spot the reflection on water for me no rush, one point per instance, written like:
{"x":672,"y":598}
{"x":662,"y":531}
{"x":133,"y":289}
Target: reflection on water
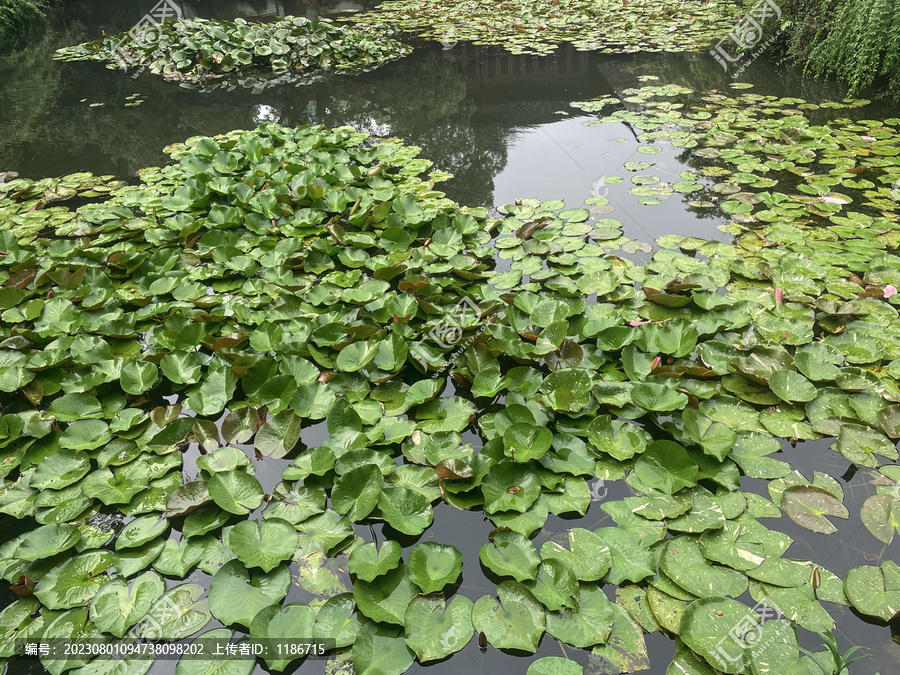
{"x":500,"y":123}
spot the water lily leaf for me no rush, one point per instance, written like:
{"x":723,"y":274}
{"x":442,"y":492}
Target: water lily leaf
{"x":445,"y":414}
{"x":324,"y":533}
{"x":818,"y":361}
{"x":118,"y":485}
{"x":279,"y":434}
{"x":187,"y":498}
{"x":705,"y":514}
{"x":368,"y":562}
{"x":666,"y":466}
{"x":706,"y":628}
{"x":625,"y":648}
{"x":47,"y":541}
{"x":179,"y":557}
{"x":874,"y":591}
{"x":798,"y":604}
{"x":381,"y":650}
{"x":263,"y":544}
{"x":555,"y":585}
{"x":777,"y":649}
{"x":555,"y":665}
{"x":435,"y":629}
{"x":881,"y":516}
{"x":743,"y":544}
{"x":356,"y":356}
{"x":239,"y":425}
{"x":141,"y":530}
{"x":176,"y":615}
{"x":510,"y":554}
{"x":433,"y":566}
{"x":860,"y":444}
{"x":235,"y":491}
{"x":356,"y":492}
{"x":715,"y":438}
{"x":588,"y":555}
{"x":657,"y":397}
{"x":683,"y":562}
{"x":138,"y":376}
{"x":130,"y":561}
{"x":685,"y":662}
{"x":338,"y":620}
{"x":407,"y":511}
{"x":217,"y":665}
{"x":647,"y":530}
{"x":74,"y":582}
{"x":115,"y":607}
{"x":509,"y":487}
{"x":236,"y":595}
{"x":618,"y":438}
{"x":282,"y":622}
{"x":60,"y":470}
{"x":386,"y":598}
{"x":791,"y":386}
{"x":516,"y":621}
{"x":589,"y":624}
{"x":808,"y":505}
{"x":85,"y":435}
{"x":524,"y":442}
{"x":630,"y":557}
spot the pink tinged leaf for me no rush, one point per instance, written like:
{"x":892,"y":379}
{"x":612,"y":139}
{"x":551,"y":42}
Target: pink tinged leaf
{"x":635,"y":322}
{"x":889,"y":291}
{"x":779,"y":294}
{"x":868,"y":138}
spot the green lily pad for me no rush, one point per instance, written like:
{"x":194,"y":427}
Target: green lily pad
{"x":516,"y":621}
{"x":808,"y":505}
{"x":236,"y":594}
{"x":115,"y":607}
{"x":433,"y":566}
{"x":368,"y":562}
{"x":264,"y":544}
{"x":510,"y":554}
{"x":435,"y":629}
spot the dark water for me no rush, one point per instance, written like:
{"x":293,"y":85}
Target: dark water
{"x":503,"y":126}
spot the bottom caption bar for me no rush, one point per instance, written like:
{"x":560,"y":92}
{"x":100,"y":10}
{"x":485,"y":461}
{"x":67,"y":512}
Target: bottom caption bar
{"x":60,"y":649}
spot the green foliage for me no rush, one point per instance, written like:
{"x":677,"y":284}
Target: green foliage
{"x":297,"y":275}
{"x":855,"y":41}
{"x":539,"y":26}
{"x":17,"y":16}
{"x":203,"y":51}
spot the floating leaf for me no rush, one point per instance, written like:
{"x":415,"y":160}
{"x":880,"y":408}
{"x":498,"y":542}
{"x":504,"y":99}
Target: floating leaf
{"x":808,"y":505}
{"x":435,"y":629}
{"x":516,"y":621}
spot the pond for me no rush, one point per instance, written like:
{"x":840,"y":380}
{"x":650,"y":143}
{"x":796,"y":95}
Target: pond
{"x":517,"y":150}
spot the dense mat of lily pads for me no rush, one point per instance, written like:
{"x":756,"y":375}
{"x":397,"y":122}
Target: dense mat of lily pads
{"x":276,"y":278}
{"x":203,"y":51}
{"x":539,"y":26}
